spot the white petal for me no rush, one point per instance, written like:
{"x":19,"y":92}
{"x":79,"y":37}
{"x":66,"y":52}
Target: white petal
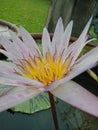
{"x":7,"y":54}
{"x":8,"y":45}
{"x":11,"y":82}
{"x":7,"y":67}
{"x":57,"y":35}
{"x":66,"y":37}
{"x":29,"y":42}
{"x":19,"y":45}
{"x":16,"y":96}
{"x":6,"y":81}
{"x":21,"y":80}
{"x":84,"y":32}
{"x":78,"y":97}
{"x":46,"y":43}
{"x":83,"y":37}
{"x":87,"y":61}
{"x":78,"y":45}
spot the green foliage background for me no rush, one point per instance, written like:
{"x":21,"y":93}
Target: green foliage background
{"x":29,"y":13}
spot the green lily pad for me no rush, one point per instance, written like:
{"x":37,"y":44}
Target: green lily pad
{"x":41,"y":102}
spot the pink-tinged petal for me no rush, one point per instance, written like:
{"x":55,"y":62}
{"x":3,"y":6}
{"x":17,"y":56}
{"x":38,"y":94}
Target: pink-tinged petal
{"x":46,"y":43}
{"x":4,"y":89}
{"x":83,"y":37}
{"x":8,"y":45}
{"x":87,"y":61}
{"x":10,"y":56}
{"x":89,"y":58}
{"x":29,"y":42}
{"x":7,"y":67}
{"x":66,"y":37}
{"x":78,"y":45}
{"x":11,"y":82}
{"x":57,"y":35}
{"x":5,"y":43}
{"x":77,"y":50}
{"x":19,"y":45}
{"x":20,"y":80}
{"x":74,"y":50}
{"x":78,"y":97}
{"x":5,"y":81}
{"x":7,"y":54}
{"x":85,"y":31}
{"x":16,"y":96}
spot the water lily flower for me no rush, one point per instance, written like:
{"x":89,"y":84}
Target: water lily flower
{"x":32,"y":72}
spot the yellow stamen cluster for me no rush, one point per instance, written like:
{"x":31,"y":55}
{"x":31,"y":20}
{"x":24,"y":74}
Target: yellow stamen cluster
{"x":45,"y":69}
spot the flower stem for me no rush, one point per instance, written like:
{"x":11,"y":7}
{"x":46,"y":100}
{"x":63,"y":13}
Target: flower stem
{"x":53,"y":110}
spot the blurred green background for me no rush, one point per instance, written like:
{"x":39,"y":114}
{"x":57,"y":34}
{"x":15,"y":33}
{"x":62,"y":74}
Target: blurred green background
{"x":31,"y":14}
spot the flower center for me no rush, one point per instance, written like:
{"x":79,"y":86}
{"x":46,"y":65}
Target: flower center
{"x":46,"y":69}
